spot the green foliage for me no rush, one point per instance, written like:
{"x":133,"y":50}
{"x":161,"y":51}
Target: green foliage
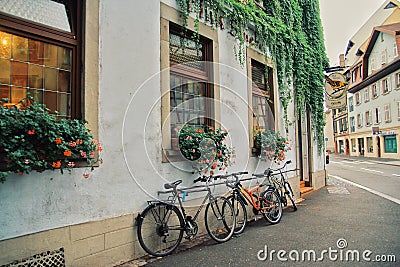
{"x":273,"y":146}
{"x":206,"y":147}
{"x":33,"y":139}
{"x":288,"y":31}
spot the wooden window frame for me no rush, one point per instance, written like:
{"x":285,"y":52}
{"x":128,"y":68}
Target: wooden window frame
{"x":72,"y":40}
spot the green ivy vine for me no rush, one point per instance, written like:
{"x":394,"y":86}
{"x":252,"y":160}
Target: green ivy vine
{"x":290,"y":32}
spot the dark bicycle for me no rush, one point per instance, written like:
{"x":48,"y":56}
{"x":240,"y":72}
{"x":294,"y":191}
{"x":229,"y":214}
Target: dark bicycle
{"x":160,"y":227}
{"x":279,"y":181}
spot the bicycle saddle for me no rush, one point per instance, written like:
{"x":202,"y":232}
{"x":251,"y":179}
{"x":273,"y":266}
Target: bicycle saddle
{"x":172,"y":185}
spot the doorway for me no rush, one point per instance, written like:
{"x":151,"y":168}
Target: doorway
{"x":361,"y":146}
{"x":347,"y":147}
{"x":304,"y":137}
{"x":378,"y":142}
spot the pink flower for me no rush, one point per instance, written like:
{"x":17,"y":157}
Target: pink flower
{"x":72,"y":144}
{"x":27,"y":161}
{"x":83,"y":154}
{"x":193,"y":150}
{"x":86,"y":175}
{"x":71,"y":164}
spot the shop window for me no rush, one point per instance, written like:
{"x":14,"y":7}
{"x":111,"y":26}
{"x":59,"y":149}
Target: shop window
{"x":353,"y":145}
{"x":390,"y":144}
{"x":40,"y":54}
{"x":370,"y":145}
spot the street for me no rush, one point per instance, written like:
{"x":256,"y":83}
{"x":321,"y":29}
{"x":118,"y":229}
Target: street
{"x":383,"y":177}
{"x":339,"y":225}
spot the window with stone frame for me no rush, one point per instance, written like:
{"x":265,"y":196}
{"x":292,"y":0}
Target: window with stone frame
{"x":397,"y":80}
{"x":357,"y":97}
{"x":262,"y":97}
{"x":191,"y":90}
{"x":366,"y":94}
{"x":377,"y":115}
{"x":398,"y":110}
{"x":359,"y":120}
{"x":351,"y":104}
{"x":368,"y":118}
{"x":374,"y":90}
{"x":386,"y":109}
{"x":41,"y":54}
{"x":385,"y":86}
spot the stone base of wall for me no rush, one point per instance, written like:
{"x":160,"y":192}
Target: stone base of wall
{"x":106,"y":242}
{"x":101,"y":243}
{"x":318,"y":179}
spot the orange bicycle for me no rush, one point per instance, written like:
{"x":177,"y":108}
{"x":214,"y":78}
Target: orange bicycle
{"x":267,"y":202}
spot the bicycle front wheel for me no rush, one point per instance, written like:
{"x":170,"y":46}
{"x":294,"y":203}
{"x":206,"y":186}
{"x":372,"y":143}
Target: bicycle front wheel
{"x":240,"y":211}
{"x":271,"y":207}
{"x":220,"y":219}
{"x":289,"y":192}
{"x":160,"y":229}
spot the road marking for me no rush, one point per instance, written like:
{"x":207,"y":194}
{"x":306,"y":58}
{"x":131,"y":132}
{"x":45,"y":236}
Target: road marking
{"x":371,"y":170}
{"x":366,"y":162}
{"x":395,"y":200}
{"x":396,"y":175}
{"x":338,"y":190}
{"x":341,"y":163}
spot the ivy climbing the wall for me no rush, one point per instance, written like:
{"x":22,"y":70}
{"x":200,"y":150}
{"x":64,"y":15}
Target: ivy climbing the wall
{"x":290,"y":32}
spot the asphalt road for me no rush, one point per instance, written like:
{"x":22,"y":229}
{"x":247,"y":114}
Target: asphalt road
{"x":341,"y":223}
{"x":379,"y":177}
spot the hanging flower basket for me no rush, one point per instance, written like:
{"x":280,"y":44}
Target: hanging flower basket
{"x":271,"y":146}
{"x":206,"y":147}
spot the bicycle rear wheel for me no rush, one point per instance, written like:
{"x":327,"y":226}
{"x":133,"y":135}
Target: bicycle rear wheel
{"x":271,"y":207}
{"x":160,"y":229}
{"x":220,"y":219}
{"x":289,"y":192}
{"x":240,"y":211}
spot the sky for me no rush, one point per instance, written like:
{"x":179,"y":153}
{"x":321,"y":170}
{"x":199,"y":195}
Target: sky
{"x":341,"y":19}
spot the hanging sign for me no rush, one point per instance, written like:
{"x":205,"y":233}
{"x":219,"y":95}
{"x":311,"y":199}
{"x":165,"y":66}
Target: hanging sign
{"x":335,"y":90}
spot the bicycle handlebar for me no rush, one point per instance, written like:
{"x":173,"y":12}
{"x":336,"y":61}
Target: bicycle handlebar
{"x":220,"y":176}
{"x":268,"y":172}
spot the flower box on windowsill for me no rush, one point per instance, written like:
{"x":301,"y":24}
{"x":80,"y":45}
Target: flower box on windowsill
{"x":34,"y":139}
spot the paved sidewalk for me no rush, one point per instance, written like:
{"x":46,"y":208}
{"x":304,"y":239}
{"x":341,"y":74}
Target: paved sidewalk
{"x":337,"y":222}
{"x":385,"y":161}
